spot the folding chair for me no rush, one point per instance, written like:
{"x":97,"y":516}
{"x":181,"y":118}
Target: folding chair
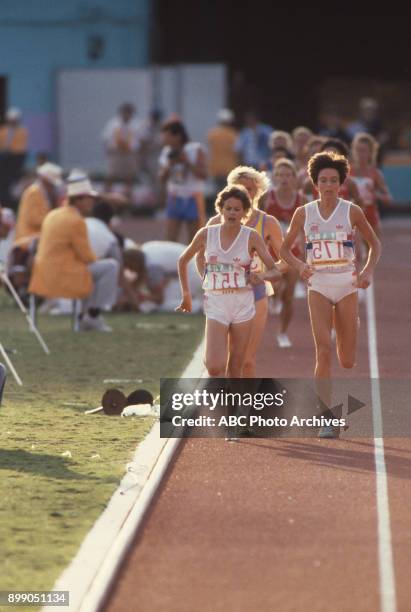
{"x":75,"y":307}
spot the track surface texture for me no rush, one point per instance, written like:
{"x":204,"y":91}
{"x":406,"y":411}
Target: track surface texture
{"x":284,"y":524}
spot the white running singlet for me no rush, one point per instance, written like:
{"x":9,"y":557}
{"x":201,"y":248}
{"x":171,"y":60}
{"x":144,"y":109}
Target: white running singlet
{"x":329,"y":242}
{"x":227,"y":269}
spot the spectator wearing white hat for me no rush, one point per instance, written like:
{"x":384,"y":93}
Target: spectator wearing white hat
{"x":13,"y":151}
{"x":36,"y":202}
{"x":221,"y":141}
{"x":65,"y":264}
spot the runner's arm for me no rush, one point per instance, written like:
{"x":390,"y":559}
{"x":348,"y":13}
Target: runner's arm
{"x":275,"y":240}
{"x":257,"y":244}
{"x":197,"y":244}
{"x":359,"y":220}
{"x":296,"y":227}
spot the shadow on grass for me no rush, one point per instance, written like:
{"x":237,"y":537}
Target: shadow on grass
{"x":45,"y":465}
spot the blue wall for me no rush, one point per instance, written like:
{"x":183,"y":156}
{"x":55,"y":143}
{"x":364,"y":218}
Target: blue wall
{"x":399,"y":182}
{"x":40,"y":37}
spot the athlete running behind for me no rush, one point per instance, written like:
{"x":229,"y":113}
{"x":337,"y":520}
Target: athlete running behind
{"x":281,"y":202}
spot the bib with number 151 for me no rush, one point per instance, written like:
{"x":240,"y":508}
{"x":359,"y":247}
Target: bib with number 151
{"x":220,"y":276}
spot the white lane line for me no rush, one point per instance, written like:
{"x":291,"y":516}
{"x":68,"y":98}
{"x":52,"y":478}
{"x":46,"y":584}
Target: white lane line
{"x":91,"y":572}
{"x":385,"y":554}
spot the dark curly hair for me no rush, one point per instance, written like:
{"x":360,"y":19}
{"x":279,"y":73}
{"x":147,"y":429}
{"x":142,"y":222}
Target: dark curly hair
{"x":328,"y":159}
{"x":233,"y":191}
{"x":338,"y":145}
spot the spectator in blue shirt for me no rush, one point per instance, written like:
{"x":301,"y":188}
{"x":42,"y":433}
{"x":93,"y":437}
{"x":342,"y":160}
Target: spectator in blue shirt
{"x":252,"y":144}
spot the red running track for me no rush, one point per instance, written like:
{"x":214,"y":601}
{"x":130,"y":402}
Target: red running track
{"x":290,"y":524}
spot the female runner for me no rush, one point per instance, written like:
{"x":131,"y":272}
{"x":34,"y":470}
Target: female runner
{"x":270,"y":231}
{"x":333,"y":283}
{"x":369,"y":179}
{"x":282,"y":202}
{"x":229,"y":300}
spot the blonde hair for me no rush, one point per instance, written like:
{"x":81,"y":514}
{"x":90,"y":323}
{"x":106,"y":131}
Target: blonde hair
{"x":283,"y":161}
{"x":371,"y":142}
{"x":281,"y":134}
{"x":261,"y":180}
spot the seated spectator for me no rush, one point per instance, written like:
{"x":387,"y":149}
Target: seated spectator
{"x":13,"y":151}
{"x":104,"y":242}
{"x":7,"y":222}
{"x":36,"y":202}
{"x":65,"y":265}
{"x":150,"y":280}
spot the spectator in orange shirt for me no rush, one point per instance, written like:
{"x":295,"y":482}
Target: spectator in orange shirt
{"x":221,"y":140}
{"x":13,"y":151}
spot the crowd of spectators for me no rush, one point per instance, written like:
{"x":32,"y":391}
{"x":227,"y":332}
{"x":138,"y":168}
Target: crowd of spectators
{"x":65,"y":245}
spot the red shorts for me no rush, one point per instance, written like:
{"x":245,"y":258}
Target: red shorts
{"x":373,"y":216}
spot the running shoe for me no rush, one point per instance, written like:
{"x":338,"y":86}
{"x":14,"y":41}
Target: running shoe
{"x":283,"y":341}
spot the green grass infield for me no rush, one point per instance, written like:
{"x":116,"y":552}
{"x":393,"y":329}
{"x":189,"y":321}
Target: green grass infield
{"x":59,"y":467}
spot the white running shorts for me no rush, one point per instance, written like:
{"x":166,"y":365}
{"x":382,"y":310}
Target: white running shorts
{"x":229,"y":308}
{"x":333,"y":285}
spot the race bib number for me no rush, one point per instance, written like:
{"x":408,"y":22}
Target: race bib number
{"x":327,"y":252}
{"x":224,"y":276}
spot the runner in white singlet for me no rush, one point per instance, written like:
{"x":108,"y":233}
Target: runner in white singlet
{"x":229,"y":300}
{"x":329,"y":270}
{"x":256,"y":184}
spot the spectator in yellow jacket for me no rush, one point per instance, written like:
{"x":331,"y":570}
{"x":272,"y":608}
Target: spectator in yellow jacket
{"x":65,"y":265}
{"x":37,"y":200}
